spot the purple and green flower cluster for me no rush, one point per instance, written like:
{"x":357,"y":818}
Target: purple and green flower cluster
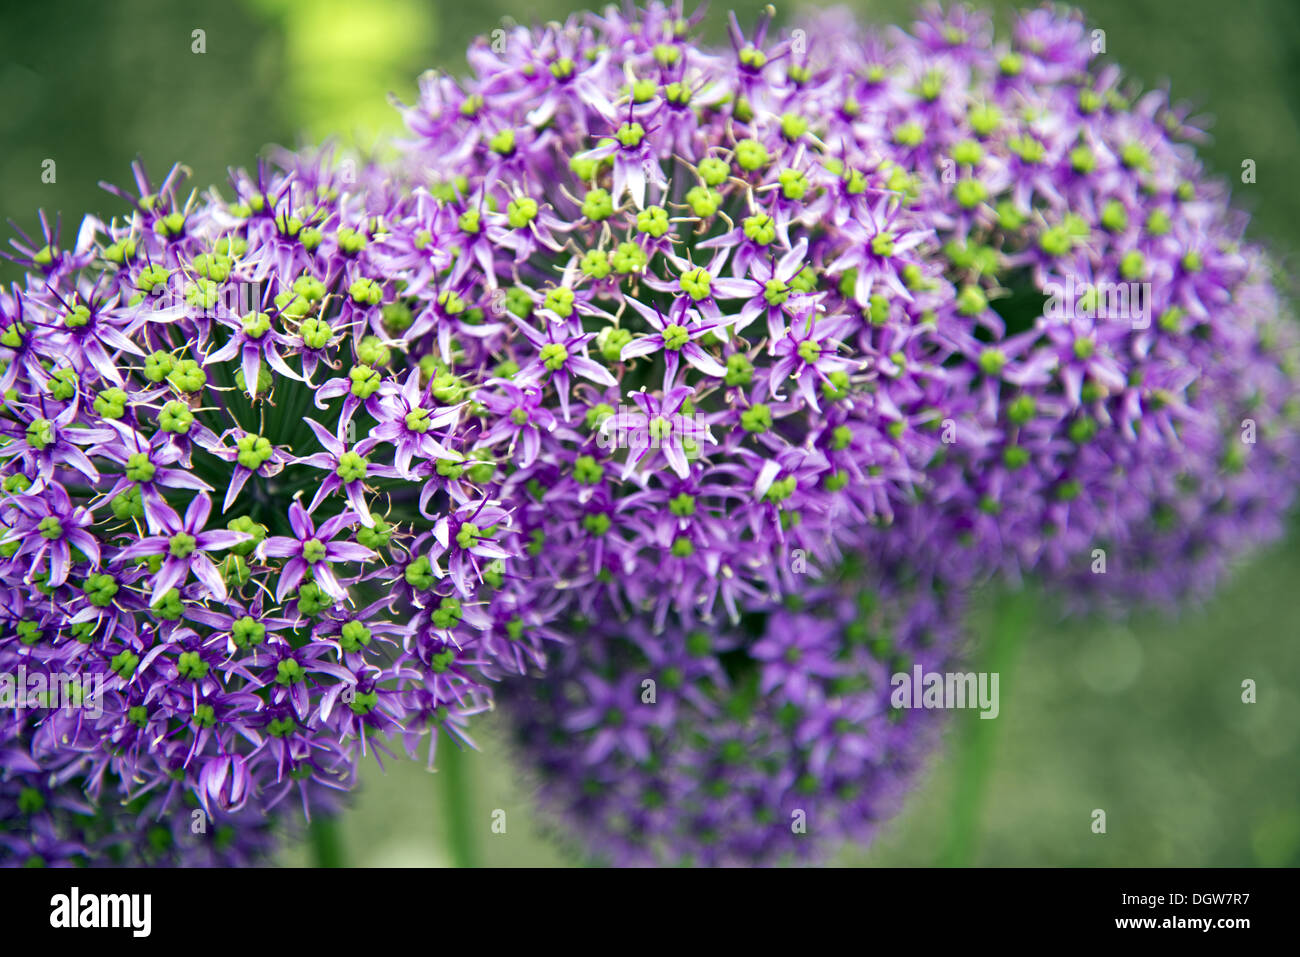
{"x":770,"y":740}
{"x":826,"y":264}
{"x":232,"y":490}
{"x":609,"y":376}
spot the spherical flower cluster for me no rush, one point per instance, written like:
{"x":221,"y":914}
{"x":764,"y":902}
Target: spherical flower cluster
{"x":980,"y":291}
{"x":1128,"y":362}
{"x":772,"y":741}
{"x":232,"y":496}
{"x":756,"y":297}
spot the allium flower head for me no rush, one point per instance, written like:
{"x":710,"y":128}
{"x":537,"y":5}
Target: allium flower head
{"x":770,"y":742}
{"x":215,"y":451}
{"x":1117,"y":362}
{"x":832,"y":273}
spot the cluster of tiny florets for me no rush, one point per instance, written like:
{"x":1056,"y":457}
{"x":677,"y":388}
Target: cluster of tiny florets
{"x":802,"y":284}
{"x":823,"y":265}
{"x":236,"y":500}
{"x":773,"y":740}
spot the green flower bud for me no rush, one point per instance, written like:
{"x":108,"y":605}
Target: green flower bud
{"x":704,"y":202}
{"x":992,"y":360}
{"x":751,"y":155}
{"x":696,"y":283}
{"x":40,"y":433}
{"x":312,"y":600}
{"x":597,"y":523}
{"x":713,"y":171}
{"x":139,"y":468}
{"x":757,"y":418}
{"x":794,"y":184}
{"x":365,"y":381}
{"x":315,"y":333}
{"x":159,"y":365}
{"x":377,"y":537}
{"x":653,"y":221}
{"x":630,"y":135}
{"x":191,"y":665}
{"x":127,"y":505}
{"x":350,"y":241}
{"x":503,"y":143}
{"x":629,"y":258}
{"x":188,"y":376}
{"x":175,"y":416}
{"x":598,"y":205}
{"x":63,"y":384}
{"x":124,"y":663}
{"x":419,"y":574}
{"x":595,"y":264}
{"x":366,"y":292}
{"x":351,"y":468}
{"x":289,"y":672}
{"x":793,"y":126}
{"x":520,"y":212}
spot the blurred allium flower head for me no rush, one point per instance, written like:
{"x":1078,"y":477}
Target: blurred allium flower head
{"x":771,"y":741}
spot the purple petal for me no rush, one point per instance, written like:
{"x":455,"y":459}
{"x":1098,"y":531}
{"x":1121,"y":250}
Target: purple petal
{"x":327,"y":439}
{"x":237,"y":481}
{"x":218,"y":539}
{"x":348,"y":552}
{"x":301,"y":522}
{"x":207,"y":573}
{"x":290,"y":576}
{"x":196,"y":516}
{"x":281,"y":546}
{"x":251,"y":363}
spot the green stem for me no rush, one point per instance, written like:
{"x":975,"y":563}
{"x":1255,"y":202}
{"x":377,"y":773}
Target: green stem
{"x":326,"y":842}
{"x":457,"y":803}
{"x":1013,"y":616}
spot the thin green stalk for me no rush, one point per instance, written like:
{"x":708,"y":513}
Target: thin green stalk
{"x":1013,"y":617}
{"x":455,"y":778}
{"x":326,"y":842}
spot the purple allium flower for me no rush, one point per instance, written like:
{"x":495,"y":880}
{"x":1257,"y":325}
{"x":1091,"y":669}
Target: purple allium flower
{"x":909,"y":213}
{"x":1116,"y":362}
{"x":897,"y":227}
{"x":314,"y":549}
{"x":251,"y":651}
{"x":183,"y":544}
{"x":771,"y":742}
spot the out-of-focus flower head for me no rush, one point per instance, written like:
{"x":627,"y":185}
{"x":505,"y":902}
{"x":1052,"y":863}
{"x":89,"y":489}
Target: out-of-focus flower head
{"x":777,"y":740}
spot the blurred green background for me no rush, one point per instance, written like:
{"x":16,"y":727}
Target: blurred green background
{"x":1143,"y":719}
